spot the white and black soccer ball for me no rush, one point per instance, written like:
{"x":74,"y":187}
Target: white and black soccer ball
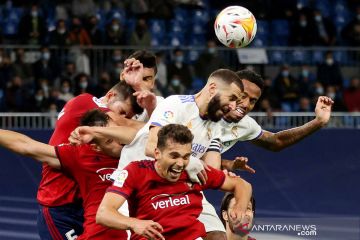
{"x":235,"y":27}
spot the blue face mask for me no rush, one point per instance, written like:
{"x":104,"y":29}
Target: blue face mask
{"x":305,"y":73}
{"x":285,"y":73}
{"x":212,"y":50}
{"x":46,"y":56}
{"x":175,"y":82}
{"x":179,"y":59}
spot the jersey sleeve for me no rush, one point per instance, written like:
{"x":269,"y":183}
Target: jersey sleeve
{"x":167,"y":112}
{"x":253,"y":130}
{"x":124,"y":181}
{"x":67,"y":155}
{"x":215,"y":180}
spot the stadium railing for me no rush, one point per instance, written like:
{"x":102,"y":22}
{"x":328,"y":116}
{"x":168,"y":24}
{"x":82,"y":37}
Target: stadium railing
{"x":275,"y":120}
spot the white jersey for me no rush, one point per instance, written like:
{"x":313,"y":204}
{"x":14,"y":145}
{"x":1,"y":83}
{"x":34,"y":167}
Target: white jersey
{"x":230,"y":133}
{"x":177,"y":109}
{"x":144,"y":116}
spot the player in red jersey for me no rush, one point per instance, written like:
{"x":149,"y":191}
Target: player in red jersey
{"x":163,"y":202}
{"x":88,"y":165}
{"x":60,"y":214}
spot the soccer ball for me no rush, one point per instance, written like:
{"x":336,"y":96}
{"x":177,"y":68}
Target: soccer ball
{"x":235,"y":27}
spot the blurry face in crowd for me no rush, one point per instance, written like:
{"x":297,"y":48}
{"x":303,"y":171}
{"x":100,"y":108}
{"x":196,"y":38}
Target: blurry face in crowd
{"x":172,"y":160}
{"x":251,"y":95}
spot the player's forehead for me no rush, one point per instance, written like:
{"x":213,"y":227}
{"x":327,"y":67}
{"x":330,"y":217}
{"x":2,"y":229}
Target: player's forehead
{"x":148,"y":72}
{"x":232,"y":90}
{"x":172,"y":147}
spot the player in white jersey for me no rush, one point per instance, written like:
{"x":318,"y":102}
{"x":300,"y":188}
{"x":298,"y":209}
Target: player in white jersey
{"x":245,"y":128}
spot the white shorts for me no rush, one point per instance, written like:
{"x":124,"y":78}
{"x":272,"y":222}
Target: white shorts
{"x":209,"y":217}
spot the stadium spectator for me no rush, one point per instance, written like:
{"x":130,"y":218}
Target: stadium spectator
{"x":82,"y":84}
{"x":32,"y":27}
{"x":241,"y":232}
{"x":329,"y":72}
{"x":94,"y":31}
{"x":78,"y":34}
{"x":325,"y":32}
{"x":55,"y":99}
{"x":60,"y":36}
{"x":66,"y":90}
{"x":306,"y":81}
{"x":305,"y":105}
{"x":83,"y":8}
{"x":6,"y":69}
{"x":104,"y":84}
{"x":45,"y":67}
{"x":161,"y":76}
{"x":45,"y":86}
{"x":141,"y":35}
{"x":302,"y":31}
{"x":351,"y":32}
{"x":175,"y":86}
{"x":114,"y":34}
{"x":332,"y":93}
{"x":17,"y":95}
{"x":39,"y":102}
{"x":287,"y":88}
{"x":208,"y":61}
{"x":352,"y":95}
{"x":21,"y":68}
{"x":69,"y":73}
{"x":179,"y":68}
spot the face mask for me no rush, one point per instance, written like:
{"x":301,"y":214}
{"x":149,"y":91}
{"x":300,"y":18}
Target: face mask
{"x":305,"y":73}
{"x":175,"y":82}
{"x":34,"y":13}
{"x":66,"y":89}
{"x":303,"y":23}
{"x":83,"y":85}
{"x":329,"y":61}
{"x":39,"y":98}
{"x":212,"y":50}
{"x":62,"y":30}
{"x":285,"y":73}
{"x":115,"y":27}
{"x":331,"y":95}
{"x":179,"y":59}
{"x":318,"y":18}
{"x":358,"y":17}
{"x":117,"y":58}
{"x":320,"y":90}
{"x":45,"y":87}
{"x":46,"y":56}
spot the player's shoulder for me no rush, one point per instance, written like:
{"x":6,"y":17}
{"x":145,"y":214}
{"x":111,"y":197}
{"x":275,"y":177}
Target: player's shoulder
{"x":181,"y":99}
{"x":142,"y":164}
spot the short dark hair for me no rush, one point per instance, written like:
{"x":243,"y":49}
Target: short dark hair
{"x":226,"y":202}
{"x":228,"y":77}
{"x":125,"y":91}
{"x":251,"y":76}
{"x":94,"y":117}
{"x":148,"y":59}
{"x":176,"y":132}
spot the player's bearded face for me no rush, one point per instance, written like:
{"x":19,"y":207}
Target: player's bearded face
{"x":172,"y":160}
{"x":216,"y":109}
{"x":241,"y":229}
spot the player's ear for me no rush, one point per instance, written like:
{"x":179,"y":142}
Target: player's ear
{"x":121,"y":76}
{"x":225,"y":215}
{"x":212,"y":89}
{"x":95,"y":147}
{"x":157,"y":153}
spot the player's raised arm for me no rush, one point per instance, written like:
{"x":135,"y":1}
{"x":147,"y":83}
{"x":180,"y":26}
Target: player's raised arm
{"x":25,"y":146}
{"x":109,"y":216}
{"x":85,"y":134}
{"x":242,"y":191}
{"x":152,"y":141}
{"x":280,"y":140}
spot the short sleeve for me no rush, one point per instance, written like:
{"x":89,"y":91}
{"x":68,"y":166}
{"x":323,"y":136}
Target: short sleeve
{"x":67,"y":155}
{"x":124,"y":181}
{"x":167,"y":112}
{"x":215,"y":180}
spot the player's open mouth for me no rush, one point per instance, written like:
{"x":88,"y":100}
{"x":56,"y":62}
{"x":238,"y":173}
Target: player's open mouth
{"x":175,"y":172}
{"x":239,"y":112}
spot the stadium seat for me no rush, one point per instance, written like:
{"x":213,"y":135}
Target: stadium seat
{"x":157,"y":27}
{"x":176,"y":26}
{"x":277,"y":57}
{"x":279,"y":32}
{"x":324,"y":6}
{"x":197,"y":40}
{"x":299,"y":57}
{"x":262,"y":27}
{"x":180,"y":14}
{"x":200,"y":16}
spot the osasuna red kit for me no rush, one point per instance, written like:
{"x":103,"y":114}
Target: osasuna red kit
{"x":175,"y":206}
{"x":60,"y":212}
{"x":91,"y":170}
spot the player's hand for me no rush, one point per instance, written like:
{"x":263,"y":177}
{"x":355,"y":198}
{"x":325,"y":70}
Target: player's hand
{"x":323,"y":109}
{"x":148,"y":229}
{"x":133,"y":73}
{"x":81,"y":135}
{"x":146,"y":100}
{"x":241,"y":163}
{"x":196,"y":170}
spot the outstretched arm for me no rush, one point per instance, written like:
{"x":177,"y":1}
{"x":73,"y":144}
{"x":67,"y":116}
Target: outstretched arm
{"x":109,"y":216}
{"x":280,"y":140}
{"x":25,"y":146}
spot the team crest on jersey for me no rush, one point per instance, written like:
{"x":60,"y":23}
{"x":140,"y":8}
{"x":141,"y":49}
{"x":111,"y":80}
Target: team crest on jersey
{"x":189,"y":125}
{"x":168,"y":115}
{"x":120,"y":178}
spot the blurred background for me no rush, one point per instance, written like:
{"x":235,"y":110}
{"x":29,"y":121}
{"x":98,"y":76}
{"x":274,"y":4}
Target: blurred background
{"x":51,"y":51}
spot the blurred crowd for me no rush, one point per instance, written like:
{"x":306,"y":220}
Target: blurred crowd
{"x":44,"y":80}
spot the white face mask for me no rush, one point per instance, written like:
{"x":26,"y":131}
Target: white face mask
{"x":66,"y":89}
{"x":83,"y":85}
{"x":34,"y":13}
{"x":320,"y":90}
{"x":318,"y":18}
{"x":115,"y":27}
{"x":61,"y":30}
{"x":329,"y":61}
{"x":175,"y":82}
{"x":39,"y":98}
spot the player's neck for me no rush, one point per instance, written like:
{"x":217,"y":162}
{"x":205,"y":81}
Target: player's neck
{"x":202,"y":102}
{"x":232,"y":236}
